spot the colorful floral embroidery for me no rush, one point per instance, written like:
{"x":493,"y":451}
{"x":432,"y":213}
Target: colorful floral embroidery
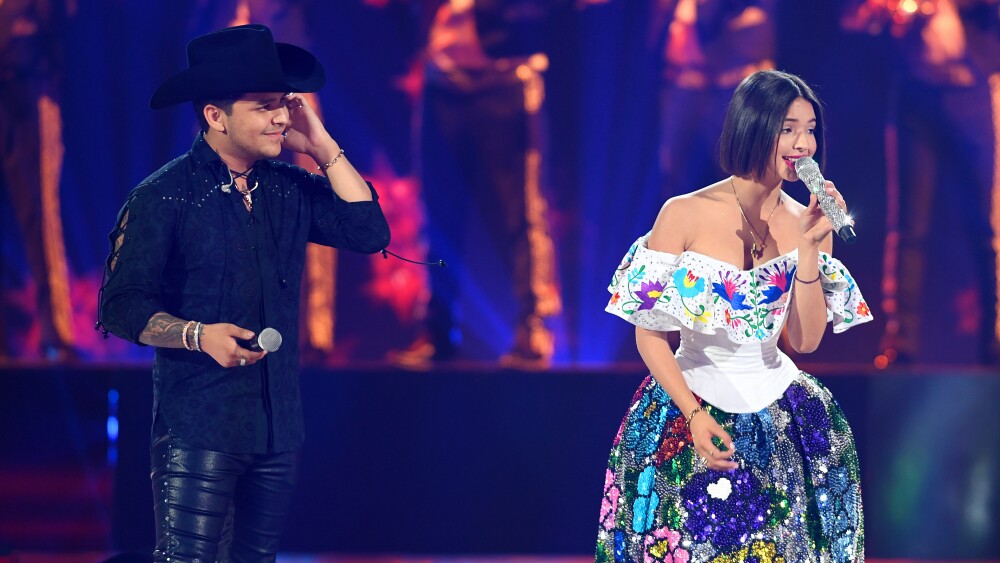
{"x":729,"y":289}
{"x":754,"y":437}
{"x":662,"y":291}
{"x":649,"y":293}
{"x":836,"y":501}
{"x":724,"y":522}
{"x":701,"y":317}
{"x":619,"y":546}
{"x":663,"y":544}
{"x":688,"y":285}
{"x":731,"y":321}
{"x":811,"y":424}
{"x":758,"y":551}
{"x":777,"y":282}
{"x":675,"y":439}
{"x":609,"y":506}
{"x":845,"y":304}
{"x":646,"y":420}
{"x":863,"y":309}
{"x":795,"y":495}
{"x":644,"y":508}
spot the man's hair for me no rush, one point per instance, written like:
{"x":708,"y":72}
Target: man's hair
{"x":226,"y":105}
{"x":756,"y":115}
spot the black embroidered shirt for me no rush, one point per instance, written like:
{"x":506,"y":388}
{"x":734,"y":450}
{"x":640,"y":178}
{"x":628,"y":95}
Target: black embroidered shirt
{"x":192,"y":250}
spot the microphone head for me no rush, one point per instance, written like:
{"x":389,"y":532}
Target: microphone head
{"x":804,"y":162}
{"x":269,"y":339}
{"x":847,"y":233}
{"x":808,"y":171}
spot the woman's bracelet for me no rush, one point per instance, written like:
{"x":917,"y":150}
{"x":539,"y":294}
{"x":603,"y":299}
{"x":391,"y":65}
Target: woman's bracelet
{"x":800,"y":280}
{"x":694,"y":412}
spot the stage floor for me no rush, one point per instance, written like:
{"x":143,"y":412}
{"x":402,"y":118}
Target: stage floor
{"x":379,"y":558}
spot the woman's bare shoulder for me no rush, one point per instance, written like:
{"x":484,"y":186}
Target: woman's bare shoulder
{"x":679,"y":217}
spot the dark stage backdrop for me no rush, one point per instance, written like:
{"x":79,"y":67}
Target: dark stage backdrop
{"x":387,"y":446}
{"x":600,"y":176}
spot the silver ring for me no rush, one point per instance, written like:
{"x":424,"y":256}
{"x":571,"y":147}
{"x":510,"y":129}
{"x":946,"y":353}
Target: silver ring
{"x":243,"y":361}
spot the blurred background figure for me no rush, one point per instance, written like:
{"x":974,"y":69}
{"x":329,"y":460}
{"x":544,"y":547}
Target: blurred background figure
{"x":941,"y":172}
{"x":480,"y":144}
{"x":31,"y":154}
{"x":707,"y":47}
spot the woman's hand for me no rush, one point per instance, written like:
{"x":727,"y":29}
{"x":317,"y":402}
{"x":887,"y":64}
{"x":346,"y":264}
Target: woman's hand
{"x":814,"y":226}
{"x":703,"y":429}
{"x":219,"y":341}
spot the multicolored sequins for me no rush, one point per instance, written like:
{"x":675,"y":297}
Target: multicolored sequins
{"x":795,"y":496}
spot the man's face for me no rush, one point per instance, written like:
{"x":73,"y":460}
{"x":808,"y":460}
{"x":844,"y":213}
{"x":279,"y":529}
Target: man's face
{"x":254,"y":127}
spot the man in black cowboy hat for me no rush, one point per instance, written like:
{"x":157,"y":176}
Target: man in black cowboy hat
{"x":208,"y":251}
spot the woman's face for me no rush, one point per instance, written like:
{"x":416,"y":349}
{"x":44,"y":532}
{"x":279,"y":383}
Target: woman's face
{"x":796,"y":139}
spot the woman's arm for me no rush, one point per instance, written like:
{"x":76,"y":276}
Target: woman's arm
{"x":659,"y":358}
{"x":807,"y":310}
{"x":669,"y":235}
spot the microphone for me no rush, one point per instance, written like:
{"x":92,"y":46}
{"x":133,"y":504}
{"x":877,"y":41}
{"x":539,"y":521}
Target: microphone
{"x":269,"y":339}
{"x":808,"y":172}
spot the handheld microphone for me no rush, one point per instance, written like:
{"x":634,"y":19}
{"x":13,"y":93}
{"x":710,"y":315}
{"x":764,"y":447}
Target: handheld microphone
{"x":269,"y":339}
{"x":808,"y":172}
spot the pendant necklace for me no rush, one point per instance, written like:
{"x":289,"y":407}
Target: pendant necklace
{"x":759,"y":242}
{"x":247,"y":198}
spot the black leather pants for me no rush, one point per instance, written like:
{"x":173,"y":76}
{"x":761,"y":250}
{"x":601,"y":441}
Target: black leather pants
{"x":204,"y":499}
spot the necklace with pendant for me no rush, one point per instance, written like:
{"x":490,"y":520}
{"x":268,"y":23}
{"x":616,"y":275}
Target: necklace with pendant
{"x":247,"y":198}
{"x":759,"y":242}
{"x":245,"y":192}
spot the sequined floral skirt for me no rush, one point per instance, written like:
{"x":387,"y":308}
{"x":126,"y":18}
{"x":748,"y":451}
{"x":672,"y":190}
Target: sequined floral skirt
{"x":795,"y":497}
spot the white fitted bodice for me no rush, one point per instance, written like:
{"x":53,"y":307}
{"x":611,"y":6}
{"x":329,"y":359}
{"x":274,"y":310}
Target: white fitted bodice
{"x":729,"y":318}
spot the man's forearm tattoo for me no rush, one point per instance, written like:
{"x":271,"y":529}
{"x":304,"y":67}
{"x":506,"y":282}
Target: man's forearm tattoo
{"x":163,"y":331}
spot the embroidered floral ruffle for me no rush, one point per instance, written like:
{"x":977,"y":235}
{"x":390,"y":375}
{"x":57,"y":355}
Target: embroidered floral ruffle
{"x":663,"y":291}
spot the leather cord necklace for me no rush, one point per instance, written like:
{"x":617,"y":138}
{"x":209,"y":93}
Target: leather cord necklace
{"x":247,"y":198}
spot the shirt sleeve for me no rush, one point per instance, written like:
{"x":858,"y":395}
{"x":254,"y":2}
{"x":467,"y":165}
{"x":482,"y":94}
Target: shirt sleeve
{"x":359,"y":226}
{"x":845,"y":306}
{"x":140,"y":244}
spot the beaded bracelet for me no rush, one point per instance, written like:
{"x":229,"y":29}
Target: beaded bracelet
{"x":323,"y":167}
{"x":804,"y":281}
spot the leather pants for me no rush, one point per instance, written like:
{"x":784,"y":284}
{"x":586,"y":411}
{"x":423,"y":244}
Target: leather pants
{"x":213,"y":506}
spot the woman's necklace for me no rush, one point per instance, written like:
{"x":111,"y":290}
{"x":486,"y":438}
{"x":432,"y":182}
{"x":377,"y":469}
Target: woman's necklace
{"x":759,"y":242}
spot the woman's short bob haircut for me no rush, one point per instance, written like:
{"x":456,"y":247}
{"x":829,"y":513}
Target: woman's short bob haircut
{"x":754,"y":118}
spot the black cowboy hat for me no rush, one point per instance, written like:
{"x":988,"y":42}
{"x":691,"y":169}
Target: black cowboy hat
{"x":237,"y":60}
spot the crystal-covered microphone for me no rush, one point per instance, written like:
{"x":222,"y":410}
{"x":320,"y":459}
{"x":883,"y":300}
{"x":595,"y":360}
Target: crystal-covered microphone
{"x":808,"y":172}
